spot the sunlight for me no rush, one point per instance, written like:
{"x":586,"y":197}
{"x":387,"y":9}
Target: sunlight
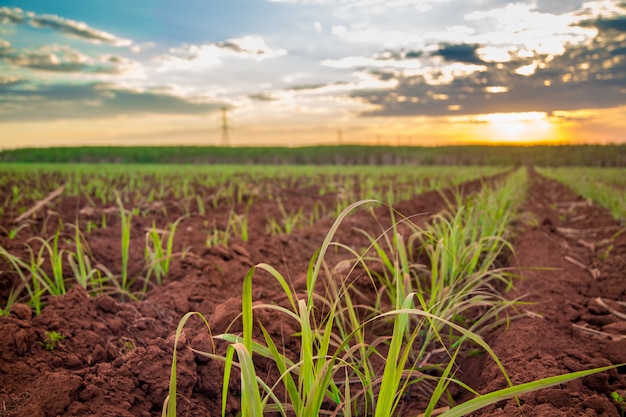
{"x":519,"y":128}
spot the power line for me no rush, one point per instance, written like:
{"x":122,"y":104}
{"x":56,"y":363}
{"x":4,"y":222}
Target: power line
{"x":225,"y":127}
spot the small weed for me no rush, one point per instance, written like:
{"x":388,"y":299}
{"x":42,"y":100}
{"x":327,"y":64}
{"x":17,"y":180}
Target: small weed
{"x":52,"y":341}
{"x":620,"y":401}
{"x":12,"y":299}
{"x":605,"y":254}
{"x":12,"y":232}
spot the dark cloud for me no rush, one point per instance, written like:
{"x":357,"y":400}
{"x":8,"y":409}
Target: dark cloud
{"x":459,"y":53}
{"x":230,"y":45}
{"x":11,"y":15}
{"x":30,"y":102}
{"x":590,"y":75}
{"x":383,"y":75}
{"x":262,"y":97}
{"x":304,"y":87}
{"x":617,"y":23}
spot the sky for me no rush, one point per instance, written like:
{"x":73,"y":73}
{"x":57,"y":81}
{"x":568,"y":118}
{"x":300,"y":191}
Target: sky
{"x":306,"y":72}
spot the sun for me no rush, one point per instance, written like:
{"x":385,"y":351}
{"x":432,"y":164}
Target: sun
{"x":519,"y":128}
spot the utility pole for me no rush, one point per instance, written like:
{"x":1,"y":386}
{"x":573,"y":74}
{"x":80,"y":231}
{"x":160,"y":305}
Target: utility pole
{"x":339,"y":136}
{"x":225,"y":135}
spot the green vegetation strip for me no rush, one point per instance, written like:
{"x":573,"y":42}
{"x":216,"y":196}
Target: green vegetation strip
{"x":571,"y":155}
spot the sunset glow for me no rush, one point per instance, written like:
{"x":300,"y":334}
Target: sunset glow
{"x":299,"y":72}
{"x":520,"y":128}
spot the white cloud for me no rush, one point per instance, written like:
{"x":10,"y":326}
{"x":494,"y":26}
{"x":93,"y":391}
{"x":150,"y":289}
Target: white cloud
{"x":527,"y":70}
{"x":452,"y":34}
{"x":200,"y":57}
{"x":519,"y":24}
{"x":11,"y":15}
{"x":61,"y":58}
{"x":601,"y":8}
{"x":362,"y":61}
{"x":494,"y":54}
{"x":75,"y":29}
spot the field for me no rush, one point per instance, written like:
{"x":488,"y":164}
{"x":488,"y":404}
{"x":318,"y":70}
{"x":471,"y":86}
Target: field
{"x":189,"y":290}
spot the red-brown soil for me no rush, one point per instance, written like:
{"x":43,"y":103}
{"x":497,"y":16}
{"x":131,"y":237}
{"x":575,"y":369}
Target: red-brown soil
{"x":572,"y":238}
{"x":116,"y":356}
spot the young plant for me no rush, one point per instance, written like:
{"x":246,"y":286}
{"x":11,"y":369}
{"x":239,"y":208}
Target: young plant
{"x":52,"y":340}
{"x":14,"y":295}
{"x":125,"y":221}
{"x":159,"y":252}
{"x":288,"y":222}
{"x":87,"y":276}
{"x":319,"y":211}
{"x":238,"y":223}
{"x":217,"y":237}
{"x":12,"y":232}
{"x":337,"y":366}
{"x":27,"y":280}
{"x":200,"y":204}
{"x":619,"y":400}
{"x":51,"y":284}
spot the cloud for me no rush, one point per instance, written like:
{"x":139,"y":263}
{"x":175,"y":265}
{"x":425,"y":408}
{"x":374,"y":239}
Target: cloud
{"x":586,"y":75}
{"x":251,"y":47}
{"x":459,"y":53}
{"x":60,"y":58}
{"x":200,"y":57}
{"x":522,"y":26}
{"x":262,"y":97}
{"x":33,"y":102}
{"x":618,"y":23}
{"x":318,"y":86}
{"x":401,"y":59}
{"x":75,"y":29}
{"x":68,"y":27}
{"x":11,"y":15}
{"x":8,"y":80}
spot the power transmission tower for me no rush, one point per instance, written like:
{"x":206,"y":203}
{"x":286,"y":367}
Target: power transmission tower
{"x":225,"y":134}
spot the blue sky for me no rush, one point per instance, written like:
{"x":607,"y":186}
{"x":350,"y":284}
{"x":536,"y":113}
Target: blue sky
{"x":298,"y":72}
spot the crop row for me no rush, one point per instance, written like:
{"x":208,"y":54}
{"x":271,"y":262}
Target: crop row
{"x":60,"y":255}
{"x":605,"y":187}
{"x":438,"y":292}
{"x":207,"y":186}
{"x":438,"y":289}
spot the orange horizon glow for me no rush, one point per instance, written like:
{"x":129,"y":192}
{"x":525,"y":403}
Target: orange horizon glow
{"x":523,"y":128}
{"x":592,"y":126}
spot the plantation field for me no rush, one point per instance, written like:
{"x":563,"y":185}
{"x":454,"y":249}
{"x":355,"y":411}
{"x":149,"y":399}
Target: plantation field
{"x":147,"y":290}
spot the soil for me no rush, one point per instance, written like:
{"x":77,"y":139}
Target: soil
{"x":115,"y":357}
